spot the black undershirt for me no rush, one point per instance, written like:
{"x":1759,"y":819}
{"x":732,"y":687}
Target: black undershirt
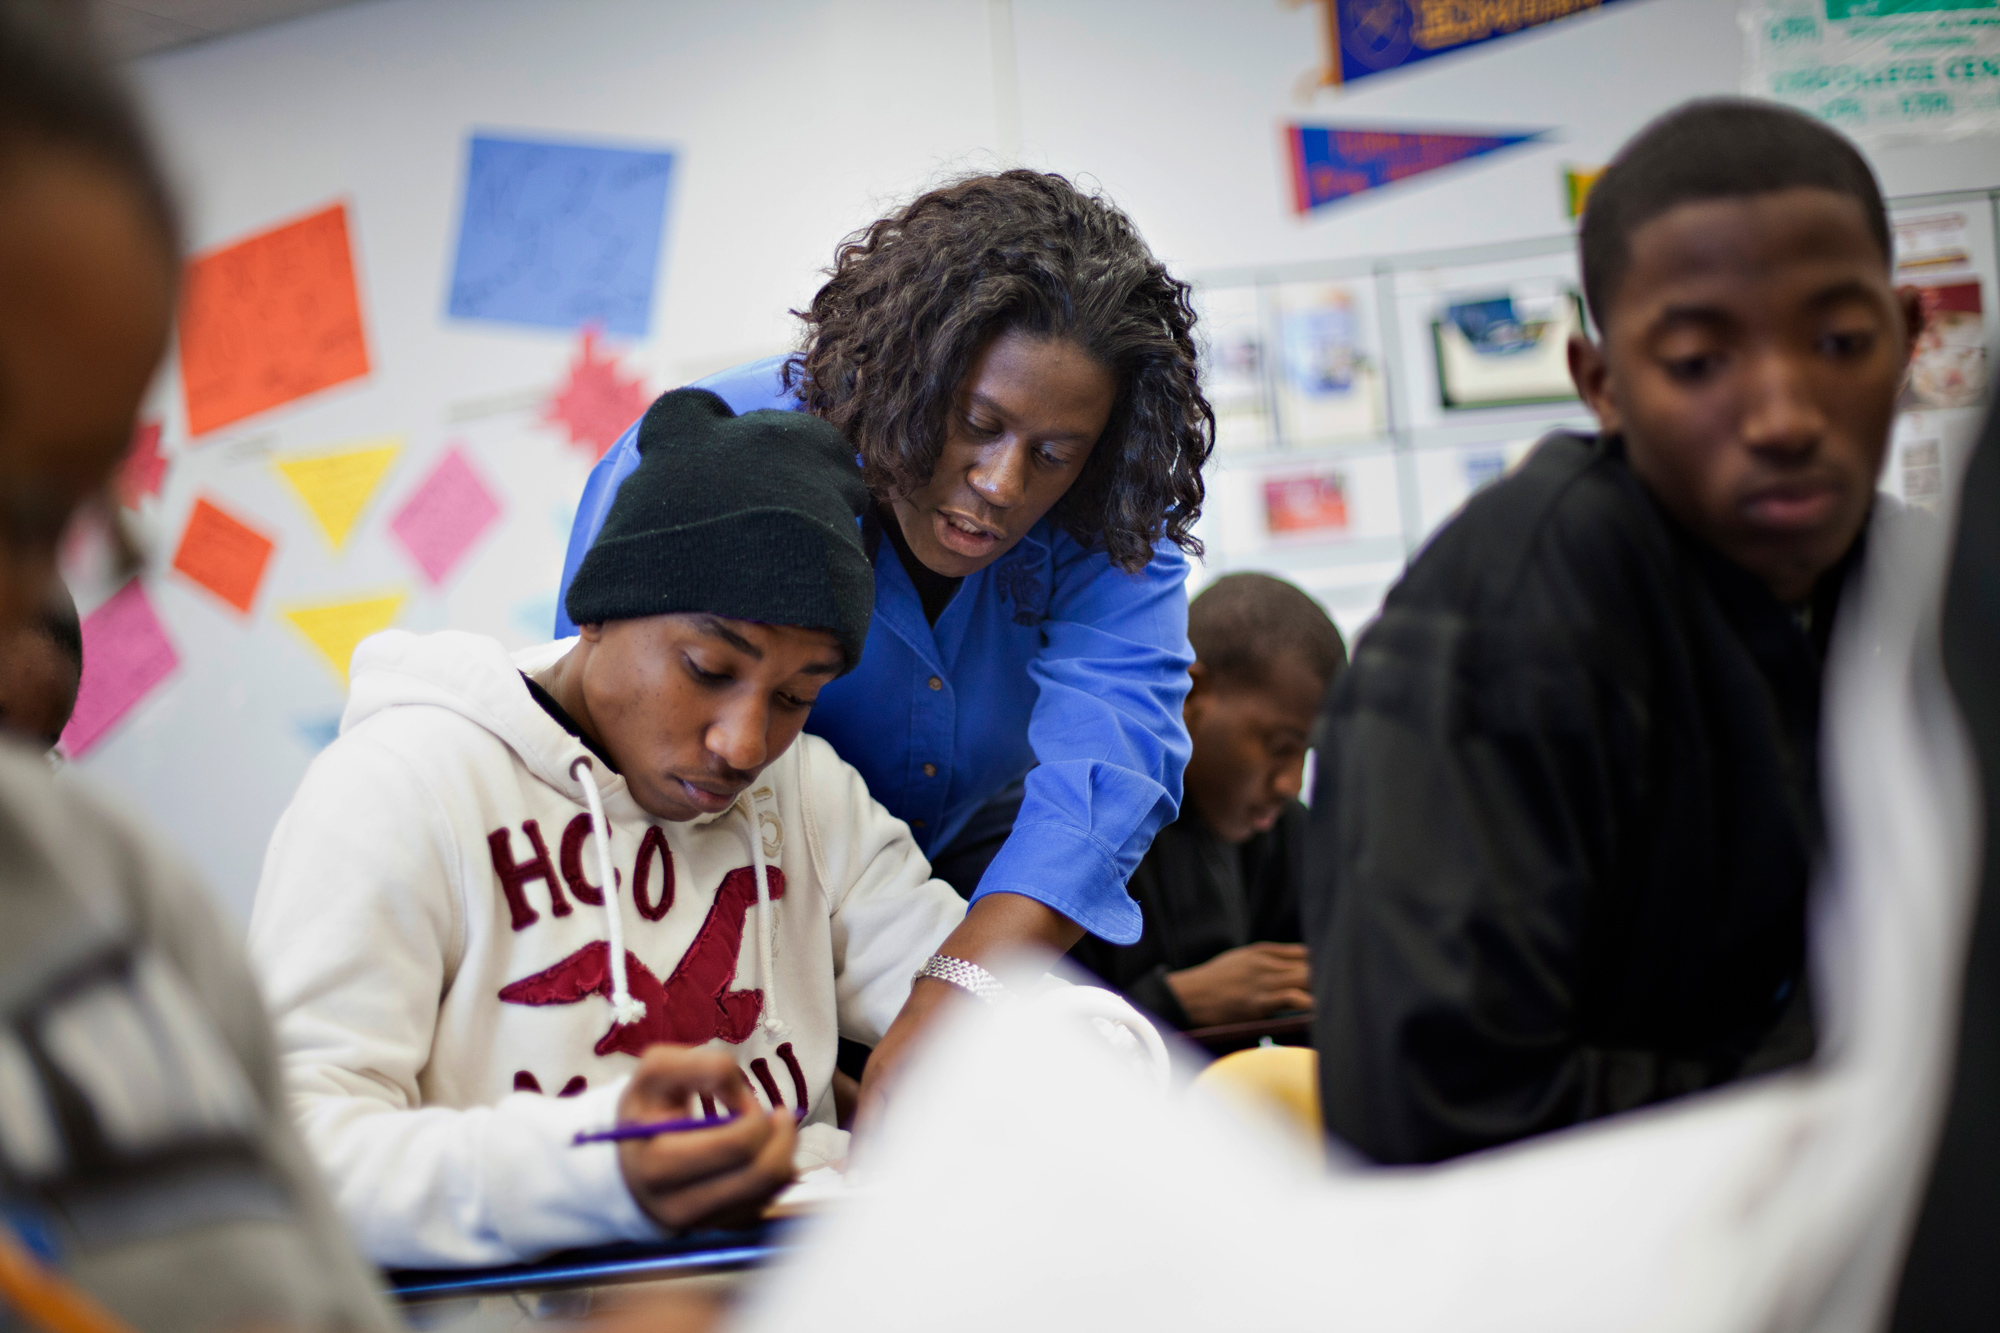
{"x":934,"y":590}
{"x":564,"y":720}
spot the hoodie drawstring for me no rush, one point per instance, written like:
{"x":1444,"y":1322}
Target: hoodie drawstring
{"x":624,"y":1008}
{"x":767,"y":979}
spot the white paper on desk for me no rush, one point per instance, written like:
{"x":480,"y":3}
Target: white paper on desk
{"x":1022,"y":1181}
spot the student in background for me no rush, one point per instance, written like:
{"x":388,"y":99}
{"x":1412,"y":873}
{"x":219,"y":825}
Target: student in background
{"x":1016,"y":374}
{"x":1568,"y":800}
{"x":146,"y":1158}
{"x":1219,"y":888}
{"x":518,"y":889}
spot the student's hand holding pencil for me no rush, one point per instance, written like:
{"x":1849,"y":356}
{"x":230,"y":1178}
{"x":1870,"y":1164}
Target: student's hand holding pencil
{"x":709,"y":1176}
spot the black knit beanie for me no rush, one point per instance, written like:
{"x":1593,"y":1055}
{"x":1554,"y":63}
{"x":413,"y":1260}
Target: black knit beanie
{"x":749,"y":517}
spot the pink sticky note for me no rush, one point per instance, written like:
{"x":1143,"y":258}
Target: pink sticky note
{"x":126,"y":654}
{"x":444,"y":516}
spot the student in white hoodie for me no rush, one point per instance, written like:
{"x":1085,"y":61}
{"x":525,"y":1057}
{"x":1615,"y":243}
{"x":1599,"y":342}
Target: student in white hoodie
{"x":466,"y":971}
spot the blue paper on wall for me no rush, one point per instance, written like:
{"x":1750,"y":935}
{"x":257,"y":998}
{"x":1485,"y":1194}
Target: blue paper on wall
{"x":560,"y":235}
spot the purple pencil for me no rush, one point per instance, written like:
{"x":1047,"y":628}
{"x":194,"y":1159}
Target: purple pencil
{"x":647,"y":1131}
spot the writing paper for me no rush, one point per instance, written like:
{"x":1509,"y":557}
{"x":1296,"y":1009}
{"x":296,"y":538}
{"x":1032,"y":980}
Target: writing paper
{"x":126,"y":654}
{"x":444,"y":516}
{"x":270,"y":319}
{"x":336,"y":629}
{"x":223,"y":554}
{"x":596,"y":404}
{"x":336,"y":487}
{"x":144,"y":468}
{"x":559,"y":234}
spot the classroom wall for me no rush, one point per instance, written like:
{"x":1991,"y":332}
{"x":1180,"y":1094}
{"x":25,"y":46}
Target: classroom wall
{"x":791,"y":124}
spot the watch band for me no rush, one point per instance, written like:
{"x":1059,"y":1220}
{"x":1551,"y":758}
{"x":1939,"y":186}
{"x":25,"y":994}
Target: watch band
{"x":969,"y":977}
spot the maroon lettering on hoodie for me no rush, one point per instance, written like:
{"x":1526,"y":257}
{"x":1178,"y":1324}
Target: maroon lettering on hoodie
{"x":572,"y":864}
{"x":515,"y":875}
{"x":694,"y":1005}
{"x":653,"y":844}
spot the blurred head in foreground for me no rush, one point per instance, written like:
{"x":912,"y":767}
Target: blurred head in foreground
{"x":87,"y":270}
{"x":41,"y":666}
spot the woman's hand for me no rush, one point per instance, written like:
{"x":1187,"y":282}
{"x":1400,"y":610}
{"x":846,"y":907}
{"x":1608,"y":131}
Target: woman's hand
{"x":719,"y":1177}
{"x":997,"y":924}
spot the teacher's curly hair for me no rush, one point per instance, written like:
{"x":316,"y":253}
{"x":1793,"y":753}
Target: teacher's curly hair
{"x":913,"y":298}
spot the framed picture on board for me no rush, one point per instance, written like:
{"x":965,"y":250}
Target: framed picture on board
{"x":1330,"y":387}
{"x":1508,"y":348}
{"x":1312,"y":504}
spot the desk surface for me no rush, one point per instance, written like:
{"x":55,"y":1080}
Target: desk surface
{"x":603,"y":1265}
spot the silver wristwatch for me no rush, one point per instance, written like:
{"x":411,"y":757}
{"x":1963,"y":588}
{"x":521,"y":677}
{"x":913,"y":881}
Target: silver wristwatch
{"x":966,"y":976}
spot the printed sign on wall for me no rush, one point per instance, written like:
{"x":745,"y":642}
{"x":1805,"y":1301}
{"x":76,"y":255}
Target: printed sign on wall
{"x":1879,"y":69}
{"x":1374,"y":36}
{"x":1330,"y":164}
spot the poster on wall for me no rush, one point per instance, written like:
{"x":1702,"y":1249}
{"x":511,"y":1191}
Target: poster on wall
{"x":560,"y":234}
{"x":1233,"y":367}
{"x":270,"y":319}
{"x":1331,"y":163}
{"x":1878,"y":69}
{"x":1948,"y":365}
{"x":1375,"y":36}
{"x":1330,"y":387}
{"x":1507,"y":348}
{"x":1310,"y":505}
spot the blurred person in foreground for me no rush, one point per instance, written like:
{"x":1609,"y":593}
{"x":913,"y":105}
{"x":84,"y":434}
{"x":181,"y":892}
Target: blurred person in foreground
{"x":145,"y":1156}
{"x":1569,"y":799}
{"x":1219,"y":888}
{"x":41,"y":669}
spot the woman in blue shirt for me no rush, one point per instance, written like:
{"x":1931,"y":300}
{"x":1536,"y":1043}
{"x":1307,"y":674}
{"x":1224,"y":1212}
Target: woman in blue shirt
{"x":1017,"y":374}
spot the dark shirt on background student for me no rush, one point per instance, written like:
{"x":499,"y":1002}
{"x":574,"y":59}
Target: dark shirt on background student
{"x":1201,"y":897}
{"x":1219,"y":888}
{"x":1567,"y":809}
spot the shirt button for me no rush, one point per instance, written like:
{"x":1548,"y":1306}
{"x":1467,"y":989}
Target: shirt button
{"x":930,"y":770}
{"x":916,"y":823}
{"x":935,"y":683}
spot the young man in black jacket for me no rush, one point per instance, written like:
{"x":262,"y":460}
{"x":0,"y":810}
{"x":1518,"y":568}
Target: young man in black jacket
{"x":1219,"y":888}
{"x":1568,"y":803}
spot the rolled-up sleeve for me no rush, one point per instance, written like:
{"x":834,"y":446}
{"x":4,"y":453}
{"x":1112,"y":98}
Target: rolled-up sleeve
{"x":1108,"y":738}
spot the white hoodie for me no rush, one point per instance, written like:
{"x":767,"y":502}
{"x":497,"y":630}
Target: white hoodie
{"x":432,"y":937}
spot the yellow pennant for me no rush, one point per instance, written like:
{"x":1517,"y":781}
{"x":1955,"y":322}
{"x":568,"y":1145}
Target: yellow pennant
{"x":336,"y":629}
{"x":336,"y":487}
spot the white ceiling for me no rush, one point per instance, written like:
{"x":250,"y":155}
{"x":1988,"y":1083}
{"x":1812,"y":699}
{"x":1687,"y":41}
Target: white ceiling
{"x":132,"y":28}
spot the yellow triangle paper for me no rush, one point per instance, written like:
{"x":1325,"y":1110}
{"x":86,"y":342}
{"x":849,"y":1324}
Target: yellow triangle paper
{"x":337,"y":487}
{"x":336,"y":629}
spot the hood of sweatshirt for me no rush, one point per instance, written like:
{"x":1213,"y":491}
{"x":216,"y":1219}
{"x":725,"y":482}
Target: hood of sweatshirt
{"x":479,"y":680}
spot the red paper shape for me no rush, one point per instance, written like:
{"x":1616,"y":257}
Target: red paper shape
{"x":126,"y":654}
{"x":223,"y":554}
{"x":596,"y":404}
{"x":444,"y":516}
{"x":144,"y":468}
{"x":270,"y":319}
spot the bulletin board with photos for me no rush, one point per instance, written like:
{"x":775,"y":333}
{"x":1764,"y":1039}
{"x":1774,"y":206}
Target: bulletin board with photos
{"x":1359,"y":403}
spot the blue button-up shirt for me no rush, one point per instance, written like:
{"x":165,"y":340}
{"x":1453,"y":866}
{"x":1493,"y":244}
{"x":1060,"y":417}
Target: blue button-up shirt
{"x":1050,"y":662}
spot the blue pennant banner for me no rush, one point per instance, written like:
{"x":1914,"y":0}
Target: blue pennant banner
{"x":1375,"y":36}
{"x":1330,"y":164}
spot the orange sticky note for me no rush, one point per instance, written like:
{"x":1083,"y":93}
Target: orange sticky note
{"x":224,"y":555}
{"x":270,"y":319}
